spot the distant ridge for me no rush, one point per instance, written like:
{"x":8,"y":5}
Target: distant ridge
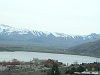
{"x":12,"y":35}
{"x":90,"y":49}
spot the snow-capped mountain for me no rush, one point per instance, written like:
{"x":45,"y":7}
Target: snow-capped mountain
{"x":9,"y":34}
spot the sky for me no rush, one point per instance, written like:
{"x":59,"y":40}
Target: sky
{"x":79,"y":17}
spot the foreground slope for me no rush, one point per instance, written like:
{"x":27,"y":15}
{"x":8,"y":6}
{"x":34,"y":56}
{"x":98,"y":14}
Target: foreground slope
{"x":89,"y":49}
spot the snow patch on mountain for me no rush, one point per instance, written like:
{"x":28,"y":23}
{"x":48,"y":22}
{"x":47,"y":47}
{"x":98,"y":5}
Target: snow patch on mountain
{"x":9,"y":30}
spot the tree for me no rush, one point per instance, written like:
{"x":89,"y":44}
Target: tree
{"x":55,"y":70}
{"x":71,"y":71}
{"x":81,"y":69}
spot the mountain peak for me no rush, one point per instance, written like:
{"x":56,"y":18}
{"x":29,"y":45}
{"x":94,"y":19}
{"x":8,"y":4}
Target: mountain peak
{"x":8,"y":29}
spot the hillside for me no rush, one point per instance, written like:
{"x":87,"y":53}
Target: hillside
{"x":89,"y":49}
{"x":28,"y":48}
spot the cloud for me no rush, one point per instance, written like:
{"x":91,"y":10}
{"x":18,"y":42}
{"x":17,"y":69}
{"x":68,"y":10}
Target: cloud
{"x":68,"y":16}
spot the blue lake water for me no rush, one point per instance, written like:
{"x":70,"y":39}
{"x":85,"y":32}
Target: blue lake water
{"x":65,"y":58}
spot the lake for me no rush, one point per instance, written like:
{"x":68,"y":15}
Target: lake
{"x":65,"y":58}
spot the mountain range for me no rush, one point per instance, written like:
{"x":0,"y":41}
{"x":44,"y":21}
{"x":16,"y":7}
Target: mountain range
{"x":13,"y":35}
{"x":13,"y":39}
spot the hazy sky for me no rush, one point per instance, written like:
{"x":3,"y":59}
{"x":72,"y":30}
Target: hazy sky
{"x":66,"y":16}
